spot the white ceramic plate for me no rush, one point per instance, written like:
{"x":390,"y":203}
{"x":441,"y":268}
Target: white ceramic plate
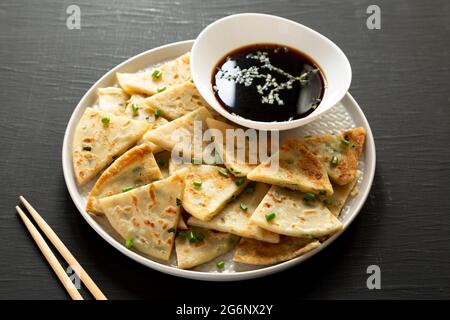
{"x":344,"y":115}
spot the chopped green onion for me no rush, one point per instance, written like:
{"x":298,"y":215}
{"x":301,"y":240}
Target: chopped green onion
{"x":197,"y":184}
{"x":309,"y":196}
{"x":199,"y":236}
{"x":135,"y":109}
{"x":328,"y":201}
{"x":127,"y":189}
{"x":243,"y":207}
{"x":235,"y":171}
{"x":105,"y":120}
{"x":322,"y":192}
{"x":196,"y":161}
{"x":178,"y":202}
{"x":191,"y":237}
{"x":344,"y":142}
{"x":181,"y":235}
{"x":239,"y":181}
{"x":270,"y":216}
{"x":129,"y":242}
{"x":157,"y":113}
{"x":195,"y":236}
{"x":171,"y":230}
{"x":156,"y":74}
{"x":334,"y":161}
{"x":223,"y":172}
{"x":161,"y":89}
{"x":87,"y":148}
{"x":220,"y":264}
{"x":250,"y":188}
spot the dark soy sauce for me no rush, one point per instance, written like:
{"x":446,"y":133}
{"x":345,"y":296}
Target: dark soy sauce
{"x":296,"y":102}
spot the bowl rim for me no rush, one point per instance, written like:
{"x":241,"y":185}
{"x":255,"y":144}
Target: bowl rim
{"x":261,"y":125}
{"x":191,"y":274}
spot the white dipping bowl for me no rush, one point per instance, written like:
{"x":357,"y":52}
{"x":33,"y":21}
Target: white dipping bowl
{"x":236,"y":31}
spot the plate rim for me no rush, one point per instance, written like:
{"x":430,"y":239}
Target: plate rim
{"x":190,"y":274}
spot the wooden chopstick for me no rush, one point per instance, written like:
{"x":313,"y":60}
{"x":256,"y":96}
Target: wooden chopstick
{"x":48,"y":254}
{"x":62,"y":249}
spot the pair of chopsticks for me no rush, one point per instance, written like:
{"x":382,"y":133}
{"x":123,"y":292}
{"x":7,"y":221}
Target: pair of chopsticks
{"x":62,"y":249}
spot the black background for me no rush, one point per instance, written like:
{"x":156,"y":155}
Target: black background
{"x":400,"y":78}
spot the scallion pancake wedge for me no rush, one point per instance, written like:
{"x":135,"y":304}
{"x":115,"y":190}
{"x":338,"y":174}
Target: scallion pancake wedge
{"x":287,"y":212}
{"x":179,"y":164}
{"x":237,"y":160}
{"x":99,"y":137}
{"x":208,"y":189}
{"x":178,"y":101}
{"x":340,"y":196}
{"x":157,"y":80}
{"x":235,"y":217}
{"x":135,"y":109}
{"x":162,"y":159}
{"x":180,"y":132}
{"x":250,"y":251}
{"x":134,"y":168}
{"x":154,"y":122}
{"x":115,"y":101}
{"x":339,"y":153}
{"x":112,"y":99}
{"x":147,"y":216}
{"x":212,"y":245}
{"x":298,"y":169}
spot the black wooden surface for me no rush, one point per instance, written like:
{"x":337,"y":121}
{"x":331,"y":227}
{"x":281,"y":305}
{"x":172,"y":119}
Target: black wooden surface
{"x":400,"y":78}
